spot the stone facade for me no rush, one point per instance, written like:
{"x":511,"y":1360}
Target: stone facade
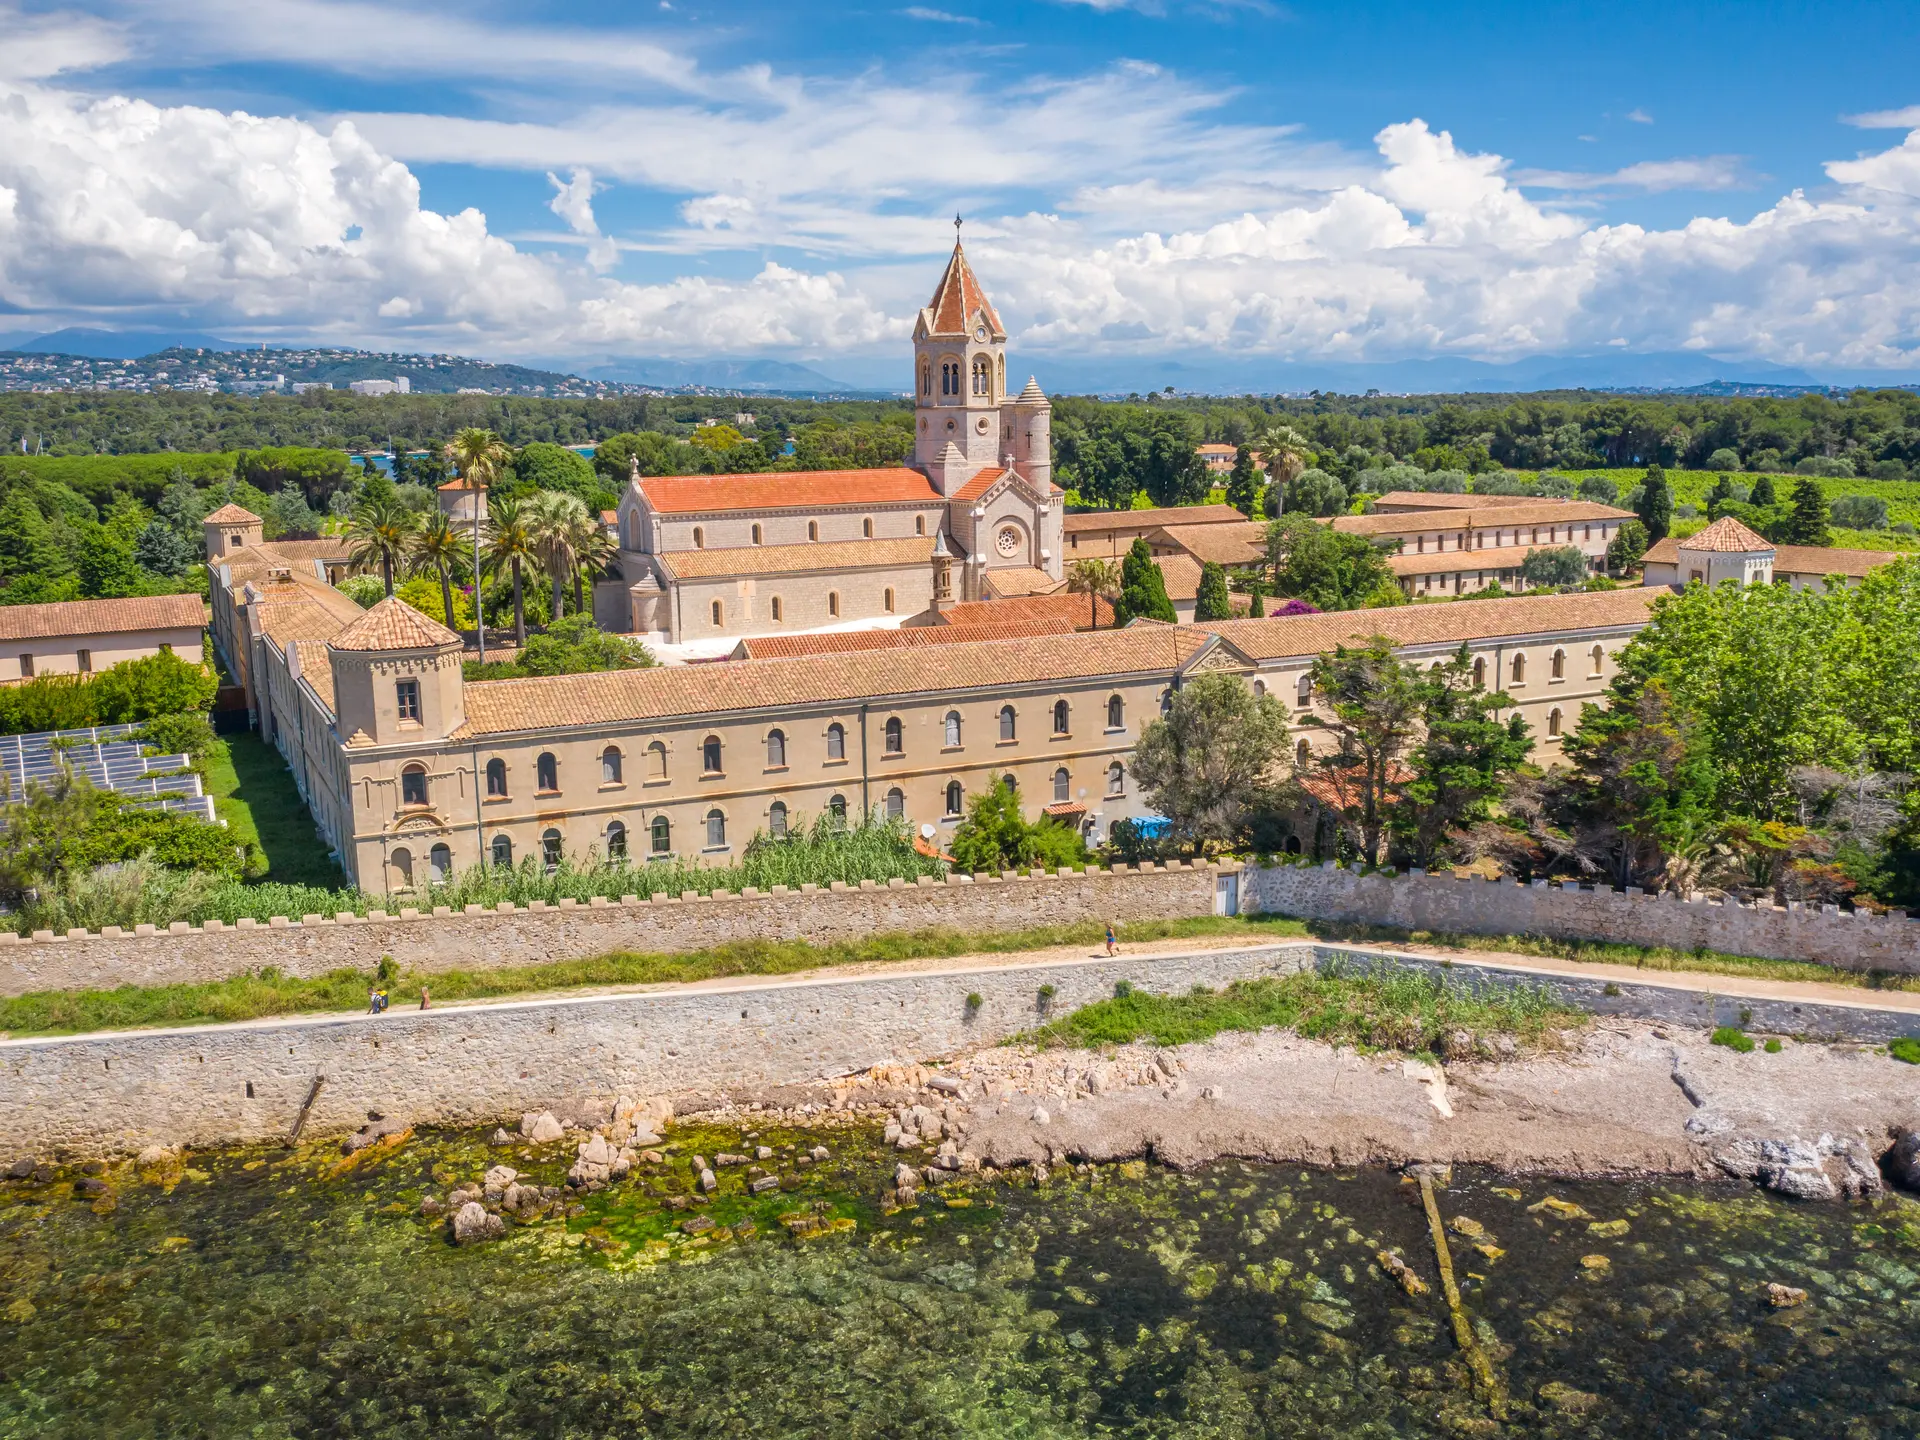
{"x":439,"y":940}
{"x":1446,"y":905}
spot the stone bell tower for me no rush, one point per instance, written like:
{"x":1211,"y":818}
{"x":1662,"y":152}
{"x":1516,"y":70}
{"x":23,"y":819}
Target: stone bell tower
{"x":960,"y":378}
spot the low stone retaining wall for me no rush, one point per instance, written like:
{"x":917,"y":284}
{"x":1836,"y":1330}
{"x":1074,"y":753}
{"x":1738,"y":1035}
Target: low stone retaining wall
{"x":222,"y":1084}
{"x":1444,"y":904}
{"x":440,"y":940}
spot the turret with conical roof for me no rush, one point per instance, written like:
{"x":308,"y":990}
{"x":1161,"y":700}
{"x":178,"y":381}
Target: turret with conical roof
{"x":396,"y":676}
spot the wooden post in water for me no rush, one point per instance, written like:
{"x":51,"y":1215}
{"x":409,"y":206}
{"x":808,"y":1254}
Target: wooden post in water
{"x":300,"y":1120}
{"x":1484,"y":1380}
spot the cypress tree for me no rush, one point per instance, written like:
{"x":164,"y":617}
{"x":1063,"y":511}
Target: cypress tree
{"x":1762,"y":493}
{"x":1143,"y":590}
{"x":1256,"y":598}
{"x":1655,"y":506}
{"x":1807,"y":519}
{"x":1245,"y":483}
{"x":1213,"y":602}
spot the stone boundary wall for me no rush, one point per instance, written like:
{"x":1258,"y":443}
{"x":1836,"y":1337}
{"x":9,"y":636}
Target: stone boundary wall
{"x":480,"y":938}
{"x":1824,"y":935}
{"x":224,"y":1084}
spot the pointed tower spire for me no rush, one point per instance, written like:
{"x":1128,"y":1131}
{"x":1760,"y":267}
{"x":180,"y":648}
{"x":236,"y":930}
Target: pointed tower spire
{"x":959,"y":298}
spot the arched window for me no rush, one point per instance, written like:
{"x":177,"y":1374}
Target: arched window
{"x":1116,"y":779}
{"x":896,"y":736}
{"x":699,"y":538}
{"x":496,"y":778}
{"x":1062,"y":785}
{"x":1557,"y":667}
{"x":716,"y":829}
{"x":662,"y":835}
{"x":1480,"y":672}
{"x":777,"y":820}
{"x":776,"y":749}
{"x":1012,"y":785}
{"x":1303,"y":691}
{"x":611,"y":771}
{"x":866,"y":527}
{"x":886,"y":600}
{"x":402,"y":863}
{"x":756,"y":534}
{"x":953,"y":730}
{"x":550,"y":849}
{"x":1519,"y":669}
{"x":896,"y":803}
{"x":503,"y":852}
{"x":837,"y":811}
{"x":1006,"y":722}
{"x":1302,"y":755}
{"x":546,"y":771}
{"x":833,"y":603}
{"x":1259,"y":689}
{"x":656,"y":761}
{"x":1599,"y":659}
{"x":616,"y":840}
{"x":776,"y":607}
{"x":710,"y":755}
{"x":956,"y":797}
{"x":1061,"y":715}
{"x":813,"y":529}
{"x":926,"y":378}
{"x":1116,"y":713}
{"x":1553,"y":721}
{"x":719,"y":613}
{"x":836,"y":741}
{"x":413,"y":785}
{"x":919,"y":524}
{"x":1166,"y":701}
{"x":440,"y":864}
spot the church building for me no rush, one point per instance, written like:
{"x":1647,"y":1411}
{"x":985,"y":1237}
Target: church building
{"x":976,"y":516}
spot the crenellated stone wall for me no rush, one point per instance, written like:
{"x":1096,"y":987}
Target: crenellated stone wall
{"x":1824,"y":935}
{"x":478,"y":938}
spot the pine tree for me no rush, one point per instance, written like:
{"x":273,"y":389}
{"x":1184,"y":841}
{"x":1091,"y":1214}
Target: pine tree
{"x":1143,"y":590}
{"x":1213,"y":602}
{"x":1244,"y":483}
{"x":1763,"y":492}
{"x":106,"y":565}
{"x":26,"y":540}
{"x":1807,"y":519}
{"x":1655,"y":506}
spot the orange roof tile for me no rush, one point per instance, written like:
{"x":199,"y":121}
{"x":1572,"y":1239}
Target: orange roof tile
{"x":317,"y":670}
{"x":393,"y":625}
{"x":774,"y":647}
{"x":1437,"y":500}
{"x":979,"y":484}
{"x":231,"y":514}
{"x":1017,"y":580}
{"x":780,"y":490}
{"x":668,"y":691}
{"x":62,"y":618}
{"x":1727,"y":536}
{"x":1086,"y":522}
{"x":1242,"y":544}
{"x":1453,"y":562}
{"x":1445,"y":624}
{"x":1065,"y":610}
{"x":1820,"y":560}
{"x":958,"y":298}
{"x":1496,"y":514}
{"x":798,"y":559}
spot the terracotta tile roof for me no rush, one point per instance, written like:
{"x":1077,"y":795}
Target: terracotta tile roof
{"x":287,"y":613}
{"x":1727,"y":536}
{"x":1242,"y":544}
{"x":62,"y":618}
{"x":1443,"y":624}
{"x":958,"y":298}
{"x":775,"y":647}
{"x":1494,"y":515}
{"x":317,"y":670}
{"x":1063,"y":609}
{"x":1017,"y":580}
{"x":1180,"y":574}
{"x":459,"y":482}
{"x":1087,"y":522}
{"x":798,"y":559}
{"x":327,"y":547}
{"x":663,"y":692}
{"x":979,"y":484}
{"x":393,"y":625}
{"x":1216,"y":448}
{"x":1341,"y":789}
{"x":1451,"y":562}
{"x":1436,"y":499}
{"x":779,"y":490}
{"x":232,"y":514}
{"x":1064,"y":808}
{"x":1820,"y":560}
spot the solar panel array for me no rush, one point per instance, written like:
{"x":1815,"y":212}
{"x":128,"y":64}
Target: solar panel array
{"x":109,"y":759}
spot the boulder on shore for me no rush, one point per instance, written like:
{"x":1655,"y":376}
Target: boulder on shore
{"x":471,"y":1224}
{"x":541,"y":1127}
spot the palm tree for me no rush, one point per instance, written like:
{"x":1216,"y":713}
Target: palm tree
{"x":1093,"y":578}
{"x":437,"y":548}
{"x":381,"y":532}
{"x":593,"y":547}
{"x":478,"y":456}
{"x":559,"y":522}
{"x":511,"y":544}
{"x":1285,"y":452}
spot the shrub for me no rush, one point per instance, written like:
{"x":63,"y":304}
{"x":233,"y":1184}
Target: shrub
{"x":1599,"y":489}
{"x":1830,"y":466}
{"x":1858,"y":512}
{"x":132,"y":690}
{"x":1889,"y":470}
{"x":366,"y":591}
{"x":1772,"y":1047}
{"x":1906,"y":1050}
{"x":189,"y":734}
{"x":1733,"y":1038}
{"x":974,"y":1001}
{"x":1724,"y":459}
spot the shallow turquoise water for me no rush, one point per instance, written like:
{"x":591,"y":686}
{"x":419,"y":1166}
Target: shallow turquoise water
{"x":282,"y":1300}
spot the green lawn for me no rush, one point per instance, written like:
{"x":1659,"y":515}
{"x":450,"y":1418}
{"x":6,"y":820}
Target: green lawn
{"x":254,"y":793}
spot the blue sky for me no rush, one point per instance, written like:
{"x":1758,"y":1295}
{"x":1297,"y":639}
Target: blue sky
{"x":1273,"y":184}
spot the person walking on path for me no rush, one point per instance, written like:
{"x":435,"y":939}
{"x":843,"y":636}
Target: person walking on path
{"x":425,"y":1004}
{"x":1113,"y":941}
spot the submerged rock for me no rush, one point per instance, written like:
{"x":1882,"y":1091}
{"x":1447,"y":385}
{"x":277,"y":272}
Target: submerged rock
{"x":1401,"y":1271}
{"x":1784,"y":1297}
{"x":471,"y":1224}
